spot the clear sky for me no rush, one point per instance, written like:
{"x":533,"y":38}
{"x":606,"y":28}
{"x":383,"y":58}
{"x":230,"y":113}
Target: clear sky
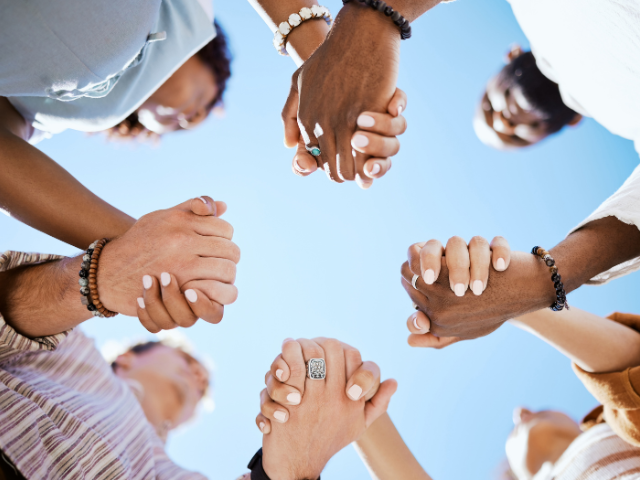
{"x":324,"y":259}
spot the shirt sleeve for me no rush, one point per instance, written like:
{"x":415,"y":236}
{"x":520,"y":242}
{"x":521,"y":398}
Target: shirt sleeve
{"x":618,"y":391}
{"x":625,"y":206}
{"x":11,"y":342}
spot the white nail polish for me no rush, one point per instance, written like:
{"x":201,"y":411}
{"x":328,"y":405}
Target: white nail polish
{"x":293,"y":398}
{"x":360,"y":141}
{"x":478,"y":287}
{"x":375,"y":169}
{"x":191,"y":295}
{"x":280,"y":416}
{"x":262,"y":425}
{"x":147,"y":282}
{"x":298,"y":167}
{"x":141,"y":302}
{"x":429,"y":277}
{"x":203,"y":200}
{"x":459,"y":289}
{"x":165,"y":278}
{"x":279,"y":373}
{"x":366,"y":121}
{"x":415,"y":323}
{"x":501,"y":265}
{"x":354,"y":392}
{"x":400,"y":110}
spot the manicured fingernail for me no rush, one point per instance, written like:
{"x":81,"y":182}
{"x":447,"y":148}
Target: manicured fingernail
{"x":416,"y":324}
{"x":191,"y":295}
{"x":262,"y":425}
{"x":363,"y":184}
{"x":165,"y":278}
{"x":366,"y":121}
{"x":354,"y":392}
{"x":375,"y":169}
{"x":400,"y":109}
{"x":459,"y":289}
{"x":147,"y":282}
{"x":501,"y":265}
{"x":204,"y":200}
{"x":141,"y":302}
{"x":293,"y":398}
{"x":280,"y":416}
{"x":360,"y":141}
{"x":429,"y":276}
{"x":279,"y":373}
{"x":299,"y":168}
{"x":477,"y":287}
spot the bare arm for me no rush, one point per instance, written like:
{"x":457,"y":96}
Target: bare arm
{"x":37,"y":191}
{"x":385,"y":454}
{"x":595,"y":344}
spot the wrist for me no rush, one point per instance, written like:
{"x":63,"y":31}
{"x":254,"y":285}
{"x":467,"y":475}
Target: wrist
{"x":112,"y":287}
{"x":281,"y":465}
{"x":305,"y":39}
{"x":363,"y":22}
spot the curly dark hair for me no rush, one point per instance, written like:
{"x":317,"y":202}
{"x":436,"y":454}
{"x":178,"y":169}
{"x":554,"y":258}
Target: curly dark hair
{"x":214,"y":54}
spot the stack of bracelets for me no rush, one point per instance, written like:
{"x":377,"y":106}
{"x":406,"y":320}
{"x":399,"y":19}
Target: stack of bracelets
{"x":399,"y":20}
{"x":89,"y":280}
{"x":295,"y":20}
{"x":556,"y":278}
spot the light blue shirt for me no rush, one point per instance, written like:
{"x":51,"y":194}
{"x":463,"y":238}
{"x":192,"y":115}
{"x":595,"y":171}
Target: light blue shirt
{"x":88,"y":64}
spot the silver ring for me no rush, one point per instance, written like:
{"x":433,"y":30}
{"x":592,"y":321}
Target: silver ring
{"x":316,"y":369}
{"x":313,"y":150}
{"x":414,"y":280}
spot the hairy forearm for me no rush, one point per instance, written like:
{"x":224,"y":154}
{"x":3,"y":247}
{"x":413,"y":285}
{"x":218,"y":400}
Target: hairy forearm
{"x":385,"y":454}
{"x":594,"y":343}
{"x":40,"y":300}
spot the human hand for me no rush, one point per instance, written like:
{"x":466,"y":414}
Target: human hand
{"x":373,"y":144}
{"x":334,"y":412}
{"x":355,"y":70}
{"x":189,"y":241}
{"x":445,"y":317}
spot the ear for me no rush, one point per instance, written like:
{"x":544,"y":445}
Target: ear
{"x":125,"y":361}
{"x":514,"y":52}
{"x":575,"y":120}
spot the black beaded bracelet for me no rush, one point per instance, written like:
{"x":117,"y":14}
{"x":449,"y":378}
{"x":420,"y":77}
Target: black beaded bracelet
{"x":84,"y":280}
{"x":556,"y":278}
{"x":399,"y":20}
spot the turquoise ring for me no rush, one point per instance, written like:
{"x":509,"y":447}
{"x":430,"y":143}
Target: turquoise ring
{"x":315,"y":150}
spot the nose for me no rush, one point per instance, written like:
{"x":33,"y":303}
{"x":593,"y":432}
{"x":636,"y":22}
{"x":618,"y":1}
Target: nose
{"x":521,"y":415}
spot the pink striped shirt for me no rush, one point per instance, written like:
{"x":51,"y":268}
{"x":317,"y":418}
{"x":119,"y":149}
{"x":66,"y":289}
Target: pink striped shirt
{"x":65,"y":415}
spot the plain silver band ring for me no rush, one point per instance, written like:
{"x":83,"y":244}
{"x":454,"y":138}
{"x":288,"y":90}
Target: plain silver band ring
{"x":414,"y":280}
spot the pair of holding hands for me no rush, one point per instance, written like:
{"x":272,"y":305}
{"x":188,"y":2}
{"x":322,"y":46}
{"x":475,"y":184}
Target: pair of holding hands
{"x":305,"y":422}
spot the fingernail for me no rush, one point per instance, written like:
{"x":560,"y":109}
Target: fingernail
{"x":165,"y":278}
{"x":191,"y":295}
{"x":279,"y":373}
{"x":293,"y":398}
{"x":147,"y":282}
{"x":366,"y":121}
{"x":280,"y":416}
{"x":141,"y":302}
{"x":354,"y":392}
{"x":363,"y":184}
{"x":375,"y":169}
{"x":429,"y":276}
{"x":501,"y":265}
{"x":400,"y":110}
{"x":459,"y":289}
{"x":299,"y":168}
{"x":416,"y":324}
{"x":262,"y":425}
{"x":360,"y":141}
{"x":203,"y":200}
{"x":477,"y":287}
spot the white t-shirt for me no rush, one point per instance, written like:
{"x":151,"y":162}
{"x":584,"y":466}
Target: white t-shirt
{"x":591,"y":49}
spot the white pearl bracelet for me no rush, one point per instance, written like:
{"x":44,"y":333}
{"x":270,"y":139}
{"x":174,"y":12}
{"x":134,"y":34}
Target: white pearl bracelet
{"x":295,"y":20}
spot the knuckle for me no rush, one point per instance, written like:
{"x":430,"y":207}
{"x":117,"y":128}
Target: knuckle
{"x":478,"y":241}
{"x":366,"y":376}
{"x":297,"y":370}
{"x":353,"y":355}
{"x":456,"y":241}
{"x":332,"y":344}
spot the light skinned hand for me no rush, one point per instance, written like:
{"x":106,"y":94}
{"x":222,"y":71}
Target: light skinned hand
{"x":327,"y":418}
{"x":168,"y":255}
{"x":373,"y":143}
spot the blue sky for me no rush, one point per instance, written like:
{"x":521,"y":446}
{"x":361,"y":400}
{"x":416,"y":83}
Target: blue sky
{"x":324,"y":259}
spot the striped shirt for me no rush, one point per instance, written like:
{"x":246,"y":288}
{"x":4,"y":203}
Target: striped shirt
{"x":65,"y":415}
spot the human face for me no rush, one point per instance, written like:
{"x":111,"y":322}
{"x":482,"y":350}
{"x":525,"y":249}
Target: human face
{"x":538,"y":439}
{"x":172,"y":380}
{"x":183,"y":101}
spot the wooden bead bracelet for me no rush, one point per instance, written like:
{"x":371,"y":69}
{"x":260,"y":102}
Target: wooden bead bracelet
{"x":556,"y":278}
{"x":379,"y":5}
{"x":89,"y":280}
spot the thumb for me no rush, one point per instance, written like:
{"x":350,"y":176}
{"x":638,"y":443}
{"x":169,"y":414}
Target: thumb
{"x":203,"y":206}
{"x":375,"y":407}
{"x":290,"y":118}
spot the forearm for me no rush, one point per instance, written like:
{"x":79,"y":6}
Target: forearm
{"x":385,"y":454}
{"x":594,"y":343}
{"x":41,"y":300}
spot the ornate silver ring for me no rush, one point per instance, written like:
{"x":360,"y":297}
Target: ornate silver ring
{"x":313,"y":150}
{"x":316,"y":369}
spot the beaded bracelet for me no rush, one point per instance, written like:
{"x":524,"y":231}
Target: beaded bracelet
{"x":89,"y":280}
{"x":556,"y":278}
{"x":399,"y":20}
{"x":295,"y":20}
